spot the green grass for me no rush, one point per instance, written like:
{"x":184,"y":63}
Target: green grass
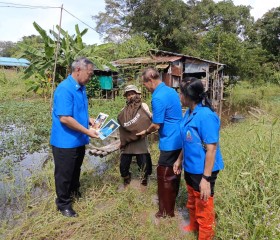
{"x":247,"y":196}
{"x":248,"y":192}
{"x":111,"y":107}
{"x":12,"y":85}
{"x":243,"y":96}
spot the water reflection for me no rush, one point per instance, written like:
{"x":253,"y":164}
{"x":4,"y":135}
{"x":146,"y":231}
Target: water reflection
{"x":14,"y":180}
{"x":17,"y":167}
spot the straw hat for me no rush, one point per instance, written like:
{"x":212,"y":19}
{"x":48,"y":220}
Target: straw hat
{"x":131,"y":88}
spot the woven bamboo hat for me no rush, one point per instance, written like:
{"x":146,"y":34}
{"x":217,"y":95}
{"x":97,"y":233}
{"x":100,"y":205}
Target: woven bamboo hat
{"x":131,"y":88}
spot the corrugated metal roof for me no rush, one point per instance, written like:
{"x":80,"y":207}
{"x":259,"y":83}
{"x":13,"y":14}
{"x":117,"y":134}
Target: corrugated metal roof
{"x":166,"y":57}
{"x":146,"y":60}
{"x":186,"y":56}
{"x":162,"y":66}
{"x":14,"y":62}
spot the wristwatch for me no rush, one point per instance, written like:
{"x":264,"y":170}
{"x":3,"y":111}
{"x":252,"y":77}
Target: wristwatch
{"x":207,"y":178}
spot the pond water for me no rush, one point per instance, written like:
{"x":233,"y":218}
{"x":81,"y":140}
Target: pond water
{"x":14,"y":180}
{"x":17,"y":167}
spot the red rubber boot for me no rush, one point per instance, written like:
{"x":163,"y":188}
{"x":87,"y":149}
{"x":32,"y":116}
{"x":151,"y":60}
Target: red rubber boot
{"x":205,"y":217}
{"x":193,"y":226}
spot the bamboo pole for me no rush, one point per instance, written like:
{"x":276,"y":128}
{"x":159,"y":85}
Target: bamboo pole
{"x":56,"y":53}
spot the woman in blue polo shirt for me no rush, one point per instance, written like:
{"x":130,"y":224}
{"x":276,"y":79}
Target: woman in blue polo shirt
{"x":201,"y":156}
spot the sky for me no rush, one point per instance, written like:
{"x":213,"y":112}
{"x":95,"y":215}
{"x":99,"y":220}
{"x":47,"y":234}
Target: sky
{"x":17,"y":22}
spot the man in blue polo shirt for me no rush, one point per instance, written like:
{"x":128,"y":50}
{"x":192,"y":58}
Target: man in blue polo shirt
{"x":167,"y":114}
{"x":70,"y":133}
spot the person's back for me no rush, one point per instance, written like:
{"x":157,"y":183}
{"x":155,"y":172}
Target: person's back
{"x":167,"y":112}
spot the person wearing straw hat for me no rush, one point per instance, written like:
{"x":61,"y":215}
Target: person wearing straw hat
{"x":134,"y":117}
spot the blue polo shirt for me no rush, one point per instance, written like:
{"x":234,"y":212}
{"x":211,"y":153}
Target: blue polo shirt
{"x":70,"y":99}
{"x":200,"y":127}
{"x":167,"y":112}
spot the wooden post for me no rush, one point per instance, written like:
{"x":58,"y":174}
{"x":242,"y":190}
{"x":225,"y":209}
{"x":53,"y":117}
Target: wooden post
{"x":55,"y":61}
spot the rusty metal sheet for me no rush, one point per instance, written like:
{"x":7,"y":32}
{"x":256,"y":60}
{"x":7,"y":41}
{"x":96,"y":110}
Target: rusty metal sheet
{"x":162,"y":66}
{"x":196,"y":67}
{"x":166,"y":78}
{"x":176,"y":71}
{"x":188,"y":58}
{"x":147,"y":60}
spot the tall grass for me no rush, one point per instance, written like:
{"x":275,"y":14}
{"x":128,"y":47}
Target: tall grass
{"x":248,"y":190}
{"x":247,"y":195}
{"x":12,"y":85}
{"x":243,"y":96}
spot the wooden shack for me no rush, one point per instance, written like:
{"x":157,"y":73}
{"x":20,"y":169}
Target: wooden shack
{"x":107,"y":80}
{"x":173,"y":67}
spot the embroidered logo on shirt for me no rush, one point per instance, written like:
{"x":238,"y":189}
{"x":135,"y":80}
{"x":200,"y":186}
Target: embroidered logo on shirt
{"x":188,"y":136}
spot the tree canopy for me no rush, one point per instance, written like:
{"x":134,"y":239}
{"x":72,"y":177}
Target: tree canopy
{"x":268,"y":28}
{"x":171,"y":24}
{"x":218,"y":31}
{"x":6,"y":48}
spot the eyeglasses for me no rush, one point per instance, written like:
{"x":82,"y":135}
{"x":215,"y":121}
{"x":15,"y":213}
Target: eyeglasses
{"x":89,"y":72}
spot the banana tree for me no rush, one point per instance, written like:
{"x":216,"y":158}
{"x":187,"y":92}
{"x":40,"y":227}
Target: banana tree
{"x":43,"y":60}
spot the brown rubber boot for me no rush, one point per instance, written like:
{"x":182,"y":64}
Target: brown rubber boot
{"x":193,"y":225}
{"x":168,"y":187}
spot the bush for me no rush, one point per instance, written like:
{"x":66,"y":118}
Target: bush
{"x":244,"y":95}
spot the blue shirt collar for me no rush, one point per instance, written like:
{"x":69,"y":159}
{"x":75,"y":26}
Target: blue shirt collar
{"x":75,"y":83}
{"x":161,"y":85}
{"x":196,"y":109}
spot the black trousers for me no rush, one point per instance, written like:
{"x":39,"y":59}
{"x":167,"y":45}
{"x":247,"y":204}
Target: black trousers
{"x":68,"y":162}
{"x":144,"y":163}
{"x":194,"y":180}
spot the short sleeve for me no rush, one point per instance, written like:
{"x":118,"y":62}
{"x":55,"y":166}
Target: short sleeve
{"x":64,"y":102}
{"x":158,"y":108}
{"x":209,"y":128}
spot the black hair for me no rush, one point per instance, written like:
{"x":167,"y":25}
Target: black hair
{"x":193,"y":88}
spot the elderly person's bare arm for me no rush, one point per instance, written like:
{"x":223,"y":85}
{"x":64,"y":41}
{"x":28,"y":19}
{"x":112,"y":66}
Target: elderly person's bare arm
{"x":152,"y":128}
{"x":146,"y":108}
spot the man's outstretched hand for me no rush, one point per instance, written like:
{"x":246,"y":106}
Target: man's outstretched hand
{"x":93,"y":133}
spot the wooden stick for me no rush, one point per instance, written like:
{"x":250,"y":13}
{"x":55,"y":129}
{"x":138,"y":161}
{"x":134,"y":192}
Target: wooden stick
{"x":253,"y":115}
